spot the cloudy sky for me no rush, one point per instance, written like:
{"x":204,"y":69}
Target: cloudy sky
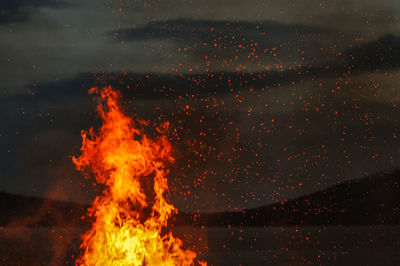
{"x":268,"y":100}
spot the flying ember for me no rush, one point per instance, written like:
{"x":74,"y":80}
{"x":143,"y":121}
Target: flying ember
{"x":129,"y":218}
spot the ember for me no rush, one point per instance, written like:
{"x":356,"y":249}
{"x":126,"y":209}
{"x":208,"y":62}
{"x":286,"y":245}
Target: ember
{"x":130,"y":220}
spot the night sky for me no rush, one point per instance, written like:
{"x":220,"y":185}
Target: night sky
{"x":267,"y":100}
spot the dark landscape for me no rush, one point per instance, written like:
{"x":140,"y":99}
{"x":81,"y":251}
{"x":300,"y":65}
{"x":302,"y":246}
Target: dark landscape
{"x":373,"y":200}
{"x":352,"y":222}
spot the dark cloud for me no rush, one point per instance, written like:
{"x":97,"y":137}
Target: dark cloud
{"x":20,"y":10}
{"x":225,"y":33}
{"x":380,"y":55}
{"x":232,"y":41}
{"x":227,"y":43}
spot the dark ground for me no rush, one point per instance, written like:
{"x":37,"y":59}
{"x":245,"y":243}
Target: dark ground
{"x":352,"y":223}
{"x":334,"y":245}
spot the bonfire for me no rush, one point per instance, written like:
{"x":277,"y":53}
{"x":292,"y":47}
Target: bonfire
{"x":130,"y":221}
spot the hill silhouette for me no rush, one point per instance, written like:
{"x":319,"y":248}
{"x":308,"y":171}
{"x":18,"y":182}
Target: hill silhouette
{"x":35,"y":211}
{"x":373,"y":200}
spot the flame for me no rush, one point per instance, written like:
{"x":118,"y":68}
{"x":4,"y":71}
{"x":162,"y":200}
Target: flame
{"x":130,"y":223}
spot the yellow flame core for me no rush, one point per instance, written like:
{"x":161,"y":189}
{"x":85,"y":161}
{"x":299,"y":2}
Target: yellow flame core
{"x":129,"y":222}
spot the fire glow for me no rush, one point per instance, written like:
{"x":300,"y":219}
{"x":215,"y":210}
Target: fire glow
{"x":129,"y":219}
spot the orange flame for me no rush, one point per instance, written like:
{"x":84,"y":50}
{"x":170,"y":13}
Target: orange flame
{"x":129,"y":221}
